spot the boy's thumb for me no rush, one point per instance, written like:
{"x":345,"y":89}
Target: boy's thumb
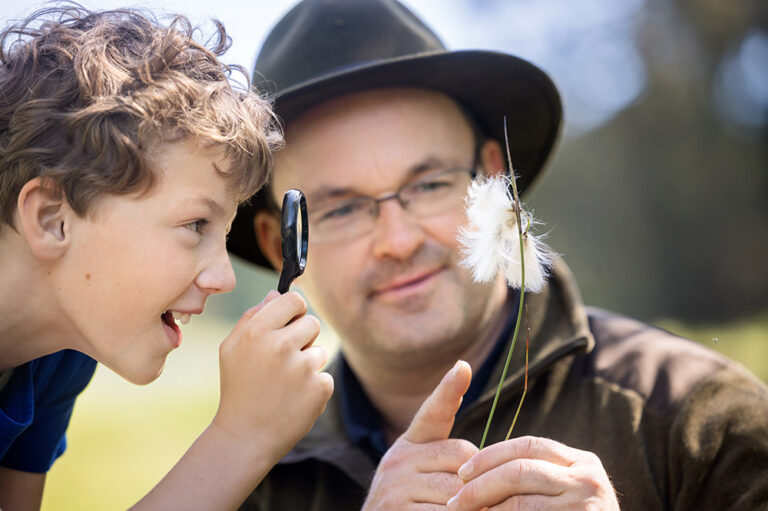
{"x":247,"y":315}
{"x":434,"y":419}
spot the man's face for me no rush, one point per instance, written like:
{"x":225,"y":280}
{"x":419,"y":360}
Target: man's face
{"x":397,"y":289}
{"x":134,"y":260}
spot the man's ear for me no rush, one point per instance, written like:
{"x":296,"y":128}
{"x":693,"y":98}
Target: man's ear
{"x":44,"y":217}
{"x":266,"y":226}
{"x":492,"y":158}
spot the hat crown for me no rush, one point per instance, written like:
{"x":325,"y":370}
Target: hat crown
{"x":320,"y":37}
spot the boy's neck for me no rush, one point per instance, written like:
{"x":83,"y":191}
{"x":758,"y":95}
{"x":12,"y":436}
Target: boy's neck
{"x":30,"y":325}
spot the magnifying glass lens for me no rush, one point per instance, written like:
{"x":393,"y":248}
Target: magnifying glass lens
{"x":299,"y":231}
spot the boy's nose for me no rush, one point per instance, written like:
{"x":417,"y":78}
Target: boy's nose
{"x":218,"y":276}
{"x":397,"y":234}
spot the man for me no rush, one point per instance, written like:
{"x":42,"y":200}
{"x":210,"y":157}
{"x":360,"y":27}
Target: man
{"x":384,"y":130}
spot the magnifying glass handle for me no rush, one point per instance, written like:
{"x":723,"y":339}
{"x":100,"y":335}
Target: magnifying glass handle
{"x":284,"y":283}
{"x":294,"y":233}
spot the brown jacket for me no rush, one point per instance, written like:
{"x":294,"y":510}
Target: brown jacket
{"x":675,"y":425}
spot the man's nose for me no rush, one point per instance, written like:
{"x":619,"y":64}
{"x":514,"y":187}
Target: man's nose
{"x":218,"y":276}
{"x":397,"y":235}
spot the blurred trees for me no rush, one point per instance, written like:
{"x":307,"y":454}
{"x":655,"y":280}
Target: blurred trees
{"x":663,"y":210}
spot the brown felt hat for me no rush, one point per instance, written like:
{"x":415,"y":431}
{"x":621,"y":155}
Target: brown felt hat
{"x":323,"y":49}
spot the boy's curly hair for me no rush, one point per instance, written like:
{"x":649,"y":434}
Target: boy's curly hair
{"x":84,"y":95}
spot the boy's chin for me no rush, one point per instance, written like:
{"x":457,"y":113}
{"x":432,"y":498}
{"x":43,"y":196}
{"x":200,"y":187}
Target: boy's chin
{"x":141,"y":375}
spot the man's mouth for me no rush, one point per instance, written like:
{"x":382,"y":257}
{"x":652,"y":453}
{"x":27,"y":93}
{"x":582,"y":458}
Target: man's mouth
{"x":404,"y":283}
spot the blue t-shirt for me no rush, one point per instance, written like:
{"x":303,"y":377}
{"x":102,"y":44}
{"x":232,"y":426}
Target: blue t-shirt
{"x":35,"y":407}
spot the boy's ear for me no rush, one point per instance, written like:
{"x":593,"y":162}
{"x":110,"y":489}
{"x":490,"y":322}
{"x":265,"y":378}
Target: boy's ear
{"x":492,"y":158}
{"x":266,"y":227}
{"x":44,"y":218}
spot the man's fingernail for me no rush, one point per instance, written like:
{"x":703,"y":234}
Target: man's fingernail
{"x":456,"y":366}
{"x":451,"y":501}
{"x":465,"y":471}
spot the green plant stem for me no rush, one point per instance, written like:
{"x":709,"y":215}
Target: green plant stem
{"x":522,"y":291}
{"x":506,"y":366}
{"x":525,"y":381}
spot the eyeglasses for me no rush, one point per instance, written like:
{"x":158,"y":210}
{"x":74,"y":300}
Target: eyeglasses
{"x":430,"y":195}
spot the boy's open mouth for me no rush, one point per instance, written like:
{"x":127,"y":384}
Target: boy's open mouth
{"x":170,"y":317}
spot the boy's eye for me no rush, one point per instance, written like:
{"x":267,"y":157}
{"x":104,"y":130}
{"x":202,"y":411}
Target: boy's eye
{"x":197,"y":225}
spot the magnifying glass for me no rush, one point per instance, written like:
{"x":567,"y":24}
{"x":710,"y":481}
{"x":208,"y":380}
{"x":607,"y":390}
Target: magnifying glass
{"x":294,"y":232}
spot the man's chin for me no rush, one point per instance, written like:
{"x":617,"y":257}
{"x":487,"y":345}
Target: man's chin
{"x":414,"y":344}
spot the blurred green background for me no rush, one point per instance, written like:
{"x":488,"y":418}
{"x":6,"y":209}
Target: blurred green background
{"x":656,"y":198}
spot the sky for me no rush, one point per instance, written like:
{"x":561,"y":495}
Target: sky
{"x":587,"y":47}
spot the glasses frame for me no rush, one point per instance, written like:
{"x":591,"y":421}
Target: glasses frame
{"x":375,"y":202}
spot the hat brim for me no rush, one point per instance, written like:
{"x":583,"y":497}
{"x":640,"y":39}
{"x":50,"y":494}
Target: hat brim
{"x":491,"y":85}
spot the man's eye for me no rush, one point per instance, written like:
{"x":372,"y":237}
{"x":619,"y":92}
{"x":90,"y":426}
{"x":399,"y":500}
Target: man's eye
{"x":197,"y":225}
{"x":433,"y":185}
{"x":343,"y":211}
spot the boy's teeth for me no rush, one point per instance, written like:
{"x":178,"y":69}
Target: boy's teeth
{"x":181,"y":317}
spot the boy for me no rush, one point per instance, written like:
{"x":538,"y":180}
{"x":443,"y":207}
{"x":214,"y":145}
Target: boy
{"x":124,"y":153}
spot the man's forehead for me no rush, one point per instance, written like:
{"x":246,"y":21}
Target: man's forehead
{"x":369,"y":102}
{"x":351,"y":141}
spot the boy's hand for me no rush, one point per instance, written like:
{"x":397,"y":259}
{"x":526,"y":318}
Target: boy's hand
{"x":271,"y":387}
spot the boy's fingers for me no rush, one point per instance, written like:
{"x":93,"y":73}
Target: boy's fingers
{"x":434,"y":419}
{"x":282,"y":309}
{"x":318,"y":356}
{"x":248,"y":314}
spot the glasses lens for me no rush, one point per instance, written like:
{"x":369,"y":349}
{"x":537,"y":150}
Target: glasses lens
{"x":431,"y":195}
{"x":342,"y":220}
{"x":437,"y":193}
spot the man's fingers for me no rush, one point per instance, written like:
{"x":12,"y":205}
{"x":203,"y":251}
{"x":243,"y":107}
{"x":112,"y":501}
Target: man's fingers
{"x":434,"y":419}
{"x":435,"y":487}
{"x":527,"y":447}
{"x":443,"y":455}
{"x":517,"y":477}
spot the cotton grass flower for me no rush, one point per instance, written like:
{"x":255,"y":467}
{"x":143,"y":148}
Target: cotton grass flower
{"x":491,"y":241}
{"x":498,"y":240}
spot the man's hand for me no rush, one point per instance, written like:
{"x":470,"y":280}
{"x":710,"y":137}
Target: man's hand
{"x":534,"y":473}
{"x":419,"y":470}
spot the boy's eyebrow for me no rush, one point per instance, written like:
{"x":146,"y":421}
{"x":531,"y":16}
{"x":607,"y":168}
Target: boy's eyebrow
{"x":330,"y":192}
{"x":214,"y":206}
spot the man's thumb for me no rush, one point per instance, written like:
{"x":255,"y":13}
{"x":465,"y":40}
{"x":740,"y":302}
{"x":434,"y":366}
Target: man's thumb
{"x":434,"y":419}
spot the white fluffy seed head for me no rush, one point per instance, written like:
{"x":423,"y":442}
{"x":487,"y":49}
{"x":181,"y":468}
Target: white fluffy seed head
{"x":491,"y":241}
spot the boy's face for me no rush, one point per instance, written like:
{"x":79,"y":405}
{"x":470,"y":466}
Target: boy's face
{"x":137,"y":258}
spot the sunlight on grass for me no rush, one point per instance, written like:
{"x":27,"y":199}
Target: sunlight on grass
{"x":745,"y":340}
